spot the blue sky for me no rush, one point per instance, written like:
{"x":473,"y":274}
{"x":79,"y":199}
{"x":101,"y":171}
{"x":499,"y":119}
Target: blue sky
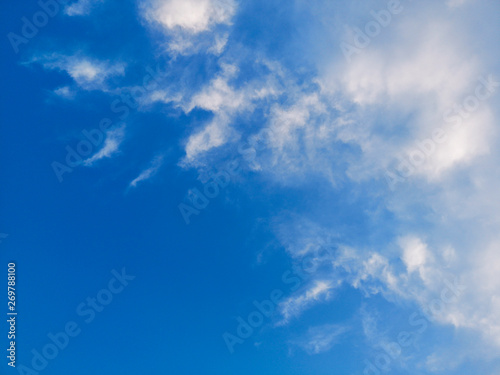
{"x":264,"y":187}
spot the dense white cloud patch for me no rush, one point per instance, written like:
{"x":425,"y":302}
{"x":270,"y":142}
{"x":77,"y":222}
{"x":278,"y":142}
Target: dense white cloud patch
{"x":193,"y":16}
{"x":185,"y":20}
{"x":415,"y":254}
{"x":423,"y":74}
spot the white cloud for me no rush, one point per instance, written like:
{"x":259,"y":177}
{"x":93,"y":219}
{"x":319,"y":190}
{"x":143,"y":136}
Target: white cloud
{"x":81,"y":7}
{"x":219,"y":44}
{"x":218,"y":95}
{"x":111,"y":145}
{"x":368,"y":114}
{"x":149,"y":172}
{"x":375,"y":109}
{"x":415,"y":253}
{"x":226,"y":100}
{"x":321,"y":339}
{"x":86,"y":72}
{"x":211,"y":136}
{"x":193,"y":16}
{"x":302,"y":237}
{"x":65,"y":92}
{"x":397,"y":93}
{"x":471,"y":301}
{"x":416,"y":78}
{"x":296,"y":305}
{"x":192,"y":25}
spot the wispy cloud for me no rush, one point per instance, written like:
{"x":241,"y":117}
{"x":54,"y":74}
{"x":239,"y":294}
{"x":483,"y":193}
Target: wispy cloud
{"x":87,"y":72}
{"x":149,"y":172}
{"x":321,"y":339}
{"x":81,"y":7}
{"x":111,"y":145}
{"x":211,"y":136}
{"x":227,"y":100}
{"x":295,"y":305}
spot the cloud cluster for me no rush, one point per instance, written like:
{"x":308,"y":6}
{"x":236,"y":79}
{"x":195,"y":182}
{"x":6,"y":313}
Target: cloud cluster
{"x":191,"y":24}
{"x":373,"y":113}
{"x":420,"y":101}
{"x":351,"y":123}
